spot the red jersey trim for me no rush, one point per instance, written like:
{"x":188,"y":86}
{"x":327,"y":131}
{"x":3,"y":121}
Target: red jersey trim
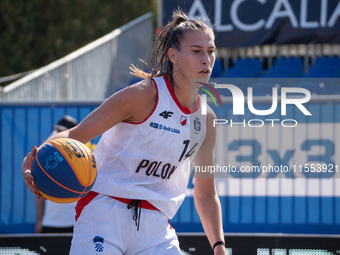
{"x":182,"y":108}
{"x":140,"y":122}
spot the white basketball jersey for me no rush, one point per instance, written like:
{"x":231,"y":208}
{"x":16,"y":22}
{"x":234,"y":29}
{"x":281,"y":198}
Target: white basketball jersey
{"x":150,"y":160}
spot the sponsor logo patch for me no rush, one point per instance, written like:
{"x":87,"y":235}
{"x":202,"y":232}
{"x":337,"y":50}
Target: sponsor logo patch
{"x":163,"y":127}
{"x":98,"y":243}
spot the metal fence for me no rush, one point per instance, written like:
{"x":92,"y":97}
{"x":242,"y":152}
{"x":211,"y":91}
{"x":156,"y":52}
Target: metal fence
{"x":92,"y":72}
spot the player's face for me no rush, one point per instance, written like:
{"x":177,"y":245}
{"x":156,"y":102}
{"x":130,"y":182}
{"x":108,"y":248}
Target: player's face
{"x":196,"y":56}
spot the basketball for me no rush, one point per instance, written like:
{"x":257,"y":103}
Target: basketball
{"x":64,"y":170}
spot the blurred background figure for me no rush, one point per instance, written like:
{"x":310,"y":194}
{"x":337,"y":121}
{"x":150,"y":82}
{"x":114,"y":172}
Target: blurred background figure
{"x":53,"y":217}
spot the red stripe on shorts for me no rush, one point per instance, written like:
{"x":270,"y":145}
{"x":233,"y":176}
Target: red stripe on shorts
{"x":84,"y":202}
{"x":91,"y":195}
{"x":145,"y":204}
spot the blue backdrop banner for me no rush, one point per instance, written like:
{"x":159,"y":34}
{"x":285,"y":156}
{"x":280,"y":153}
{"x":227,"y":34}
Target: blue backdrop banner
{"x":294,"y":201}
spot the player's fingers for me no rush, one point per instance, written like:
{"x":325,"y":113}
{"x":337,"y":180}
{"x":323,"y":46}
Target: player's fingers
{"x":26,"y":163}
{"x":26,"y":171}
{"x":28,"y":178}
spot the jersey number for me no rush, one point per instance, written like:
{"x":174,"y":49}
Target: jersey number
{"x":190,"y":152}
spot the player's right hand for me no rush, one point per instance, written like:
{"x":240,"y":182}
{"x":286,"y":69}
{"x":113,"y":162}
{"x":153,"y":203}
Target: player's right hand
{"x":26,"y":171}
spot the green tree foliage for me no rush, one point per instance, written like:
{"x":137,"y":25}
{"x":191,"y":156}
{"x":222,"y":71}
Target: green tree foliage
{"x":34,"y":33}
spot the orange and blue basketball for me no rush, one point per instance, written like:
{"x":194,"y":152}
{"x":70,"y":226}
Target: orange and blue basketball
{"x":64,"y":170}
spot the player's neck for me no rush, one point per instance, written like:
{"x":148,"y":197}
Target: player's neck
{"x":187,"y":97}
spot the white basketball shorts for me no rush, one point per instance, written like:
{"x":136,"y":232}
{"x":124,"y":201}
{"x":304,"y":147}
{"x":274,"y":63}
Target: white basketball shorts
{"x":106,"y":226}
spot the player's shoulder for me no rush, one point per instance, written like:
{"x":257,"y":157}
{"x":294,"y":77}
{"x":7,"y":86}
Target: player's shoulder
{"x":145,"y":87}
{"x":142,"y":91}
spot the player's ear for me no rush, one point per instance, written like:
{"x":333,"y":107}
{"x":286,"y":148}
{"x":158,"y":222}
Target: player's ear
{"x":172,"y":55}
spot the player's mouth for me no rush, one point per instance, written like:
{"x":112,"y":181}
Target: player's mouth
{"x":205,"y":72}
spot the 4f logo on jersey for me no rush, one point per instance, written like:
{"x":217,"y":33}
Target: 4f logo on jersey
{"x":166,"y":114}
{"x":98,"y":243}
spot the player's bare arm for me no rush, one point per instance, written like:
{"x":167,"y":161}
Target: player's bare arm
{"x":133,"y":103}
{"x":205,"y":195}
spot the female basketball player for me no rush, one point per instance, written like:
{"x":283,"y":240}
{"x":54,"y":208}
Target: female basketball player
{"x":144,"y":154}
